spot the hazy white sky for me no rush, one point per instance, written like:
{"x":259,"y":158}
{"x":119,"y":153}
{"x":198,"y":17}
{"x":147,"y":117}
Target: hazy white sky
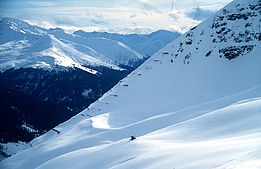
{"x":124,"y":16}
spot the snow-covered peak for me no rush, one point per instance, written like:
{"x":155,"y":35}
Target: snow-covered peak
{"x":20,"y":26}
{"x":194,"y":104}
{"x":56,"y":30}
{"x":12,"y":29}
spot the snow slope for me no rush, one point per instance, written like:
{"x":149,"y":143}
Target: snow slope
{"x":12,"y":148}
{"x":14,"y":29}
{"x":208,"y":141}
{"x":194,"y":104}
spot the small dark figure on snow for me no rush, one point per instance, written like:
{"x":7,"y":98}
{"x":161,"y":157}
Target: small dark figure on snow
{"x":132,"y":138}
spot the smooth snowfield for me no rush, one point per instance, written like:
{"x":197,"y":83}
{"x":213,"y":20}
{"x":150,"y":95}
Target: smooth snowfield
{"x":208,"y":141}
{"x":223,"y":138}
{"x":188,"y":109}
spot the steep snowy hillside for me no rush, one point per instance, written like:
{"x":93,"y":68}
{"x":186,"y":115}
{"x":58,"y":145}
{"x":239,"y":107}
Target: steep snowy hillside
{"x":195,"y":104}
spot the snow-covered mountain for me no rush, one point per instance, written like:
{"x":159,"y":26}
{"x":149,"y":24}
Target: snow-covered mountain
{"x":55,"y":71}
{"x":194,"y":104}
{"x":109,"y":50}
{"x":23,"y":45}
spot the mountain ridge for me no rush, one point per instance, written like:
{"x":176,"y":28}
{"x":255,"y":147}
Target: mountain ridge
{"x":135,"y":41}
{"x":34,"y":40}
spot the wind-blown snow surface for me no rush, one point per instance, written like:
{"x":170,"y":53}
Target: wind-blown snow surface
{"x":190,"y":108}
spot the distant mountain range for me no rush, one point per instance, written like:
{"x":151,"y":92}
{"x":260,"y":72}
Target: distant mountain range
{"x":47,"y":75}
{"x":24,"y":45}
{"x":145,"y":44}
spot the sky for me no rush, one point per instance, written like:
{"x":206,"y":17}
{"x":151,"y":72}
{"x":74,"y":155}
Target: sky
{"x":120,"y":16}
